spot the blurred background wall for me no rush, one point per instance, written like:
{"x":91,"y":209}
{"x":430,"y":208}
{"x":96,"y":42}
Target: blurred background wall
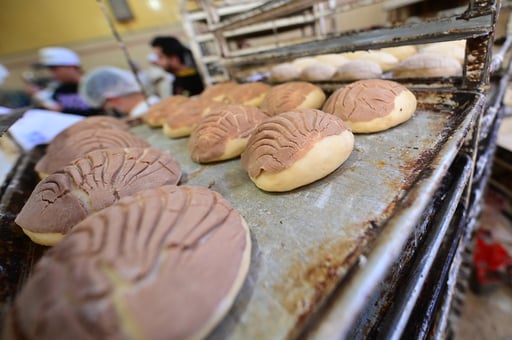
{"x":27,"y":25}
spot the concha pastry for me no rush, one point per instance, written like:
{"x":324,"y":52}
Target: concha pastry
{"x":83,"y":142}
{"x":217,"y":92}
{"x":372,"y":105}
{"x":224,"y":133}
{"x":247,"y":94}
{"x":156,"y":115}
{"x":89,"y":184}
{"x":165,"y":263}
{"x":94,"y":122}
{"x":185,"y":118}
{"x":426,"y":65}
{"x":357,"y":70}
{"x":293,"y":95}
{"x":296,"y":148}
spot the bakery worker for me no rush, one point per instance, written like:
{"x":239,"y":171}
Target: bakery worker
{"x":115,"y":91}
{"x":62,"y":95}
{"x":177,"y":59}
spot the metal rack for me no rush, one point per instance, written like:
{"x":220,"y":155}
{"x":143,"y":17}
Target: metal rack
{"x":338,"y":258}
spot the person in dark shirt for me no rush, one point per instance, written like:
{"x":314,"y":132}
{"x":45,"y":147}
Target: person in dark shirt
{"x":65,"y":67}
{"x":177,"y":59}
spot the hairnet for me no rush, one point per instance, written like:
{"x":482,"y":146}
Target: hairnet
{"x":107,"y":82}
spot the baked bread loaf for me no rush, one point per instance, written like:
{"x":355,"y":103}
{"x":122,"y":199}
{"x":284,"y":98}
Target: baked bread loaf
{"x":165,"y":263}
{"x":372,"y":105}
{"x":89,"y":184}
{"x":317,"y":72}
{"x":83,"y":142}
{"x":426,"y":65}
{"x":247,"y":94}
{"x":334,"y":59}
{"x":157,"y":113}
{"x":401,"y":52}
{"x":358,"y":70}
{"x":224,"y":133}
{"x":303,"y":62}
{"x":293,"y":95}
{"x":296,"y":148}
{"x":385,"y":60}
{"x":185,"y":118}
{"x":454,"y":49}
{"x":284,"y":72}
{"x":94,"y":122}
{"x":217,"y":92}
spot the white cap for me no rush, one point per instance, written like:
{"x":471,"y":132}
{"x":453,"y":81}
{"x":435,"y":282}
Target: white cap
{"x":152,"y":57}
{"x":58,"y":56}
{"x":4,"y":73}
{"x":107,"y":82}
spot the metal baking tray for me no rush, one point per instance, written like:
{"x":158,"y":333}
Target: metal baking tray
{"x":341,"y":233}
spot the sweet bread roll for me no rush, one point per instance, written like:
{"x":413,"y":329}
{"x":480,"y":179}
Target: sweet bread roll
{"x":317,"y":72}
{"x":217,"y":92}
{"x":83,"y":142}
{"x":165,"y":263}
{"x":296,"y":148}
{"x":425,"y":65}
{"x":156,"y":115}
{"x":454,"y":49}
{"x":247,"y":94}
{"x":293,"y":95}
{"x":303,"y":62}
{"x":334,"y":59}
{"x":94,"y":122}
{"x":372,"y":105}
{"x":185,"y":118}
{"x":401,"y":52}
{"x":224,"y":133}
{"x":89,"y":184}
{"x":385,"y":60}
{"x":357,"y":70}
{"x":284,"y":72}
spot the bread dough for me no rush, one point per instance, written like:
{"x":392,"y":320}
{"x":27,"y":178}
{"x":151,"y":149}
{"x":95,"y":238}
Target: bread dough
{"x":357,"y":70}
{"x":318,"y":72}
{"x":425,"y":65}
{"x":284,"y":72}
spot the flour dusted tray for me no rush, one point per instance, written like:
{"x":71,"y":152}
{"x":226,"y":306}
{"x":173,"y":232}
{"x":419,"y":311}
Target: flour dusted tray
{"x":307,"y":241}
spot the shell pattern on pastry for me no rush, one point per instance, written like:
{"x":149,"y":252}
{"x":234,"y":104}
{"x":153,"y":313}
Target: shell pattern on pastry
{"x":165,"y":263}
{"x":364,"y":99}
{"x":282,"y":139}
{"x":83,"y":142}
{"x":94,"y":182}
{"x":231,"y":122}
{"x":292,"y":95}
{"x":156,"y":115}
